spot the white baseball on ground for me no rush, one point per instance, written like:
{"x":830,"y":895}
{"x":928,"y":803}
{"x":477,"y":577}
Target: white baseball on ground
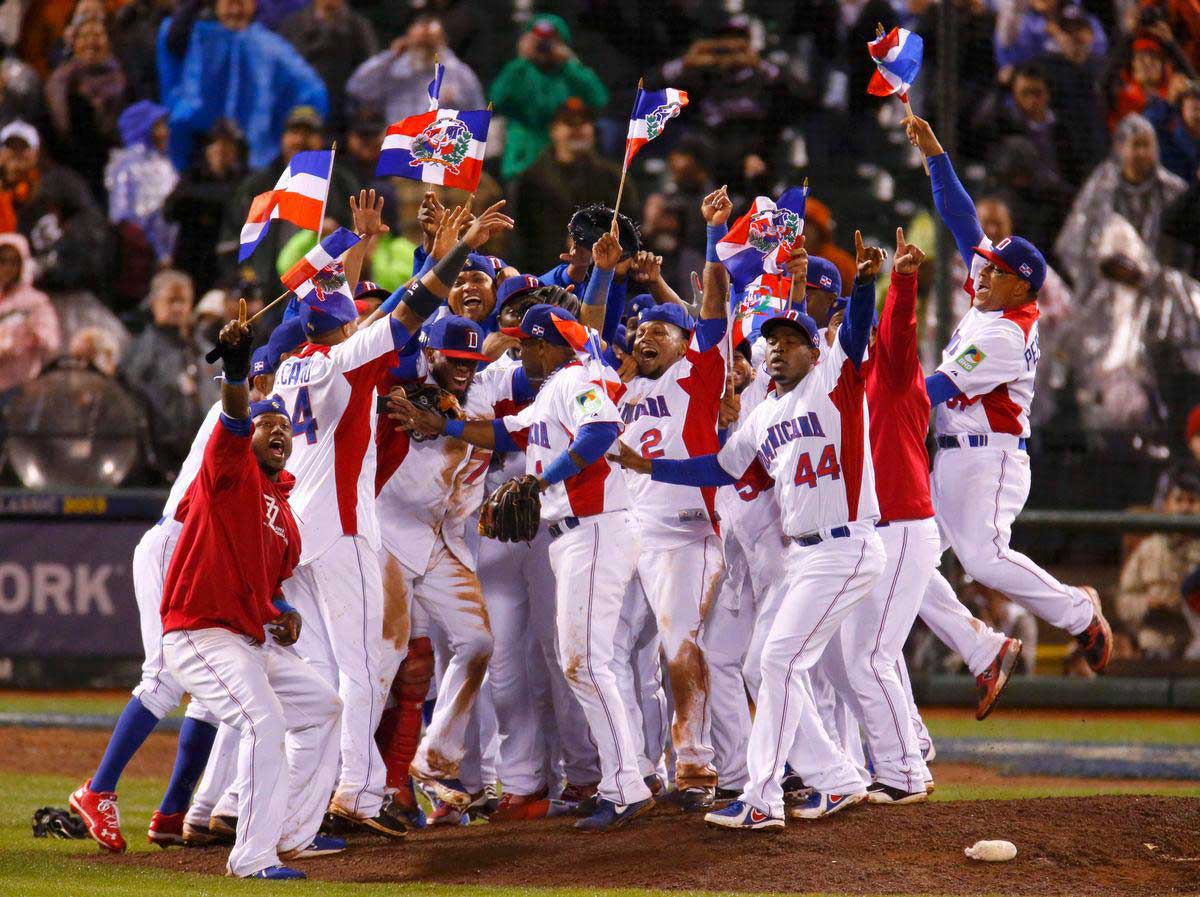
{"x":992,"y":851}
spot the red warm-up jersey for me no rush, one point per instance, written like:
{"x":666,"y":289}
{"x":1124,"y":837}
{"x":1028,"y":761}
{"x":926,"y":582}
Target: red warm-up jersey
{"x":899,"y":408}
{"x":238,"y":544}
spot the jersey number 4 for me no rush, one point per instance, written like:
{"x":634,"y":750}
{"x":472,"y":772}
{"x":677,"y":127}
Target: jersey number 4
{"x":827,"y":466}
{"x":302,"y":417}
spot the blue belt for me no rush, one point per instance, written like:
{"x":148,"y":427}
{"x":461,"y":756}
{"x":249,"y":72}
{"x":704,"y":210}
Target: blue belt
{"x":839,"y":532}
{"x":161,"y":521}
{"x":973,"y":441}
{"x":557,"y":529}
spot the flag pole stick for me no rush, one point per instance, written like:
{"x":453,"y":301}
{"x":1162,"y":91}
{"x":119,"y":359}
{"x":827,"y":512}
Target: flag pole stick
{"x":625,"y":164}
{"x":792,"y":289}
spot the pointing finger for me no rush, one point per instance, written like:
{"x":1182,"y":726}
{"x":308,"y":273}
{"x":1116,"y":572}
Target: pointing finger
{"x":858,"y":242}
{"x":900,"y":242}
{"x":241,"y":311}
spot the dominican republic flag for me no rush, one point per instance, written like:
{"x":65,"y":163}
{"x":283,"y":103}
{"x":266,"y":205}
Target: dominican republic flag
{"x":299,"y":197}
{"x":764,"y":295}
{"x":652,"y":109}
{"x":317,"y":259}
{"x":442,"y":146}
{"x":897,"y":57}
{"x":435,"y":86}
{"x":761,"y":240}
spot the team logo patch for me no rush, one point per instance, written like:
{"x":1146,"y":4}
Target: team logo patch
{"x":773,"y":227}
{"x":1026,"y":269}
{"x":758,"y":815}
{"x":537,"y":330}
{"x":445,"y":142}
{"x":970,"y":358}
{"x":826,"y":281}
{"x":657,"y":120}
{"x":589,"y":402}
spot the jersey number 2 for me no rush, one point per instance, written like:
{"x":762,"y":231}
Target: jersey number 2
{"x":302,"y":417}
{"x":827,"y":466}
{"x":650,"y":441}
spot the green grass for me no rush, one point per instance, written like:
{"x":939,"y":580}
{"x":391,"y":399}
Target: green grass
{"x":108,"y":703}
{"x":1111,"y":727}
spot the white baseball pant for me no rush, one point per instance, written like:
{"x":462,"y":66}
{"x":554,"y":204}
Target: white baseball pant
{"x":448,"y":594}
{"x":836,"y":713}
{"x":593,"y":564}
{"x":286,"y":714}
{"x":681,"y":585}
{"x":639,"y":679}
{"x":340,"y":597}
{"x":158,"y":691}
{"x":920,"y":730}
{"x":948,"y":618}
{"x":977,"y":493}
{"x":478,"y":765}
{"x":824,"y":583}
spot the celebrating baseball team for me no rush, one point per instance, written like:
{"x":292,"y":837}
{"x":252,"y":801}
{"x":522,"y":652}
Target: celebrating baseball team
{"x":528,"y":549}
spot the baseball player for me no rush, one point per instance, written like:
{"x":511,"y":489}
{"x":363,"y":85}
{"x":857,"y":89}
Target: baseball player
{"x":594,"y":549}
{"x":810,"y":435}
{"x":670,"y":411}
{"x":239,"y":542}
{"x":426,"y":490}
{"x":329,"y":385}
{"x":981,"y":393}
{"x":158,"y":694}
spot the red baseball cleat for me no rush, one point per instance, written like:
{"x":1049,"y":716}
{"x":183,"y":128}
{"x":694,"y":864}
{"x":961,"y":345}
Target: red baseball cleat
{"x":992,"y":680}
{"x":515,"y":807}
{"x":166,"y":829}
{"x":100,"y":815}
{"x":1096,"y":641}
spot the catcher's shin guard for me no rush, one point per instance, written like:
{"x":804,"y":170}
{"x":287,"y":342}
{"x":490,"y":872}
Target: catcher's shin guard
{"x":399,"y":730}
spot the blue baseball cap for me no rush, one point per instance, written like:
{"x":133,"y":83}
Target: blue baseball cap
{"x":284,"y":338}
{"x":260,"y":362}
{"x":515,"y":286}
{"x":1019,"y":257}
{"x":477,"y":262}
{"x":790,"y":318}
{"x":638,"y":304}
{"x":456,"y":337}
{"x":537,"y":324}
{"x":823,"y":275}
{"x":271,"y":405}
{"x":668,"y":313}
{"x":369,"y":288}
{"x":323,"y":315}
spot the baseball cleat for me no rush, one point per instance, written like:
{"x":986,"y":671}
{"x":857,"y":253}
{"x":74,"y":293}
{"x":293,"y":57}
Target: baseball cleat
{"x":654,"y":783}
{"x":223,"y":827}
{"x":577,"y":794}
{"x":879,"y":793}
{"x":404,"y":806}
{"x":484,"y":804}
{"x":196,"y":835}
{"x":741,"y":815}
{"x":794,"y":790}
{"x":385,"y":822}
{"x":444,"y":814}
{"x":991,"y":681}
{"x":450,"y":791}
{"x":930,"y":786}
{"x":610,"y":817}
{"x":278,"y":873}
{"x":321,"y":846}
{"x":697,"y":798}
{"x":1096,"y":641}
{"x":819,"y":805}
{"x":166,"y":829}
{"x":515,"y":807}
{"x":725,"y":795}
{"x":99,"y":813}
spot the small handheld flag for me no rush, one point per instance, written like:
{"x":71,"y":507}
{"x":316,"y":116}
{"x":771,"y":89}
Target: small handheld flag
{"x":442,"y":146}
{"x":761,"y":241}
{"x":897,"y":57}
{"x":319,"y":257}
{"x":299,"y":197}
{"x":435,"y":86}
{"x":652,"y":109}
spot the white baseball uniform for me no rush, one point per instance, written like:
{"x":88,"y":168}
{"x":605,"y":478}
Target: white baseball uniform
{"x":427,"y":490}
{"x":337,"y":587}
{"x":675,"y":416}
{"x":813,"y":441}
{"x":593,"y":554}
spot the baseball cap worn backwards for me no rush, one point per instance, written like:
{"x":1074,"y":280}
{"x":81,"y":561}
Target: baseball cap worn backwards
{"x":456,"y":337}
{"x":538,"y":324}
{"x":797,"y":320}
{"x":1019,"y":257}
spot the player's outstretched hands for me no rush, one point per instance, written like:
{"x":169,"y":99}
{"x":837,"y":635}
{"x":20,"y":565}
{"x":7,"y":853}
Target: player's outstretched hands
{"x":921,"y":135}
{"x":869,"y":259}
{"x":716,"y":207}
{"x":630,"y":460}
{"x":797,"y":263}
{"x":908,"y":255}
{"x":430,"y":215}
{"x":412,"y":417}
{"x":285,"y":628}
{"x":366,"y":209}
{"x":487,"y":225}
{"x":647,"y":267}
{"x":606,"y":251}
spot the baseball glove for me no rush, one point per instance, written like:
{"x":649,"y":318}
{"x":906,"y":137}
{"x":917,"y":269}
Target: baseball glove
{"x":52,"y":822}
{"x":431,"y":397}
{"x":512,"y":513}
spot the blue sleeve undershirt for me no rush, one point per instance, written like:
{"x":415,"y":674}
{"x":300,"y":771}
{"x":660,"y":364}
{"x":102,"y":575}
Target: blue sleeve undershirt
{"x":954,"y":204}
{"x":856,"y":327}
{"x":710,"y":332}
{"x":590,"y":444}
{"x":243,"y":426}
{"x":504,"y":440}
{"x":940,"y":388}
{"x":700,"y":471}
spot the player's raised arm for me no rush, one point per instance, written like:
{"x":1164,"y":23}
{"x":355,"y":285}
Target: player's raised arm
{"x":896,"y":349}
{"x":856,"y":327}
{"x":606,"y":253}
{"x":715,"y":208}
{"x":950,"y":198}
{"x":366,"y":210}
{"x":237,"y":341}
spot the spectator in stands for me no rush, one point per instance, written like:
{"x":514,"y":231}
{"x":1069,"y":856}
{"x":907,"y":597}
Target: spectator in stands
{"x":665,"y":218}
{"x":1177,"y":125}
{"x":134,"y":33}
{"x":20,"y":92}
{"x":569,"y":174}
{"x":364,"y":142}
{"x":1023,"y":110}
{"x":1150,"y":593}
{"x":396,"y":80}
{"x":54,"y":209}
{"x":819,"y":228}
{"x":231,"y":67}
{"x":165,"y":364}
{"x":1147,"y":65}
{"x":1075,"y":75}
{"x":29,"y":332}
{"x":975,"y":67}
{"x":335,"y":40}
{"x":96,"y":348}
{"x":140,"y":177}
{"x":690,"y":179}
{"x":532,"y":88}
{"x":1029,"y":30}
{"x":85,"y":94}
{"x":1189,"y":463}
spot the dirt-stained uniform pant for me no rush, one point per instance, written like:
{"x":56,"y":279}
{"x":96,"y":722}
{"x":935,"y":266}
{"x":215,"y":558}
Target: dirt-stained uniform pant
{"x":593,"y":564}
{"x":638,"y":668}
{"x":287,"y":716}
{"x":448,"y":592}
